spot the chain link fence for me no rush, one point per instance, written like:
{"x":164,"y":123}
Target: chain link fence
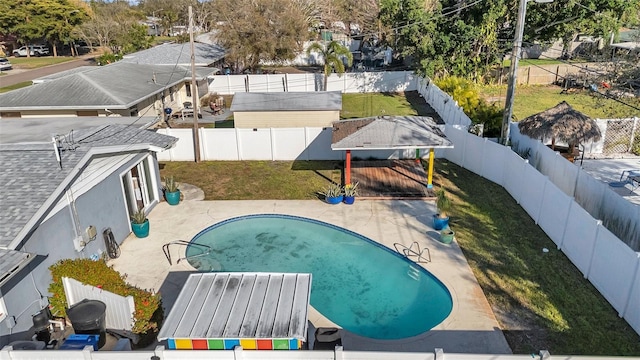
{"x":622,"y":136}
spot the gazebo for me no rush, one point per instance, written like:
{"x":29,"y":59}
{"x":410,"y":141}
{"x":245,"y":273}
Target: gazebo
{"x":563,"y":123}
{"x":389,"y":133}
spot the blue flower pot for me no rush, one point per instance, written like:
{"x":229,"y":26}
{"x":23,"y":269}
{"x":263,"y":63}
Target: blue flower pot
{"x":349,"y":200}
{"x":173,"y":198}
{"x":334,"y":200}
{"x":141,"y":230}
{"x":440,"y":223}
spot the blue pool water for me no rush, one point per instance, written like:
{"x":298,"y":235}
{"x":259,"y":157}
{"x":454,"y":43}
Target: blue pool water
{"x":358,"y":284}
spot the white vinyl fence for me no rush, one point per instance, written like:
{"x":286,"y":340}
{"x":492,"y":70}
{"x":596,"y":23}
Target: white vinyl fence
{"x":617,"y":214}
{"x":609,"y":264}
{"x":276,"y":144}
{"x":358,"y":82}
{"x":120,"y":309}
{"x":239,"y":354}
{"x":442,"y":103}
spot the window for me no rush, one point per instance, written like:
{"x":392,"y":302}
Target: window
{"x":187,"y":87}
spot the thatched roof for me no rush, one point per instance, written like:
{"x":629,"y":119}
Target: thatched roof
{"x":563,"y":123}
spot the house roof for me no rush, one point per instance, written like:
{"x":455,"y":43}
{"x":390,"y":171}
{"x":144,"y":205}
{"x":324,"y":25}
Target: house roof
{"x":119,"y":85}
{"x":34,"y":180}
{"x":17,"y":130}
{"x":180,"y":54}
{"x":62,"y":74}
{"x":287,"y":101}
{"x":388,"y":132}
{"x":240,"y":306}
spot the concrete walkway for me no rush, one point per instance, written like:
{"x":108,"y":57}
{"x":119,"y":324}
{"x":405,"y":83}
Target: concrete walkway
{"x":470,"y":328}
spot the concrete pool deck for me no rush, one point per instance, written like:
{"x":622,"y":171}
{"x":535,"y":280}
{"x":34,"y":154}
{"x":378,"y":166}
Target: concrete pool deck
{"x":470,"y":328}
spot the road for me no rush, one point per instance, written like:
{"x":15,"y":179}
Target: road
{"x":16,"y":76}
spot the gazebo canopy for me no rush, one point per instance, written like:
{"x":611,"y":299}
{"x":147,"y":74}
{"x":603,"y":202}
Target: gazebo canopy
{"x":561,"y":122}
{"x":388,"y":132}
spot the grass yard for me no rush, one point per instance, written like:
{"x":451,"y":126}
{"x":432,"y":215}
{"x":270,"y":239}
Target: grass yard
{"x":540,"y":299}
{"x":37,"y":62}
{"x":376,"y":104}
{"x":530,"y":100}
{"x":15,"y":86}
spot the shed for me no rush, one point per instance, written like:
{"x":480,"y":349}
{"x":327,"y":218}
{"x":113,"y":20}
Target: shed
{"x":286,"y":109}
{"x":218,"y":311}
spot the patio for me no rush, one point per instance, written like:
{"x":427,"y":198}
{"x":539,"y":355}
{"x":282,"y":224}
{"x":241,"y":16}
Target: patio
{"x":391,"y":179}
{"x":609,"y":171}
{"x":470,"y":328}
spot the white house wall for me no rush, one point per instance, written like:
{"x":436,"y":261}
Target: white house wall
{"x":284,"y":119}
{"x":102,"y":206}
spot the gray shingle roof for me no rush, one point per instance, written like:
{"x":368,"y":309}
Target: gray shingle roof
{"x":31,"y":174}
{"x":388,"y":132}
{"x":180,"y":54}
{"x":287,"y":101}
{"x":116,"y":86}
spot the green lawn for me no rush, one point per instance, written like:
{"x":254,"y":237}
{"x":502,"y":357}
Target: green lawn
{"x":36,"y":62}
{"x":530,"y":100}
{"x":541,"y":300}
{"x":15,"y":86}
{"x":375,"y":104}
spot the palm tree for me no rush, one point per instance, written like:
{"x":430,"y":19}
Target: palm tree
{"x":332,"y":55}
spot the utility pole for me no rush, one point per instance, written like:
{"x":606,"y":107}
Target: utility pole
{"x":513,"y":72}
{"x":194,"y":89}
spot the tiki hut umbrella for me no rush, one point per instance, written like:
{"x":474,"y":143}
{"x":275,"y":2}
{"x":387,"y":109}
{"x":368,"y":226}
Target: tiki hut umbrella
{"x":563,"y":123}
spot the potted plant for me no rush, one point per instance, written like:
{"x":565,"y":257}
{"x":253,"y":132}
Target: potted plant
{"x":140,"y":224}
{"x":333,"y":194}
{"x":171,"y":191}
{"x":447,"y":235}
{"x":441,"y":220}
{"x":350,"y":193}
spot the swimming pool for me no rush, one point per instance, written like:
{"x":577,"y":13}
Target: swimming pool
{"x":357,"y":283}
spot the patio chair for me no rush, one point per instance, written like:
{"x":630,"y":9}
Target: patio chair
{"x":628,"y":177}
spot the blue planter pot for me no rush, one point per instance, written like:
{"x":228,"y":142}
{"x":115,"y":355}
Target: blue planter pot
{"x":440,"y":223}
{"x":173,"y":198}
{"x":140,"y":230}
{"x":334,"y":200}
{"x":349,"y":200}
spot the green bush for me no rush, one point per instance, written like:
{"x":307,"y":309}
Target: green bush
{"x":479,"y":111}
{"x":108,"y":58}
{"x":148,"y":314}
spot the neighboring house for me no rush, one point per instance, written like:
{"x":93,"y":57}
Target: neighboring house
{"x":211,"y":55}
{"x":49,"y":202}
{"x":120,"y":89}
{"x":286,"y":109}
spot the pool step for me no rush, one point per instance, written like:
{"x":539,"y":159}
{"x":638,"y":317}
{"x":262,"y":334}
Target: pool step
{"x":413,"y":273}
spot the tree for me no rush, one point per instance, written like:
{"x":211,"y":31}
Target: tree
{"x":260,"y":30}
{"x":333,"y":55}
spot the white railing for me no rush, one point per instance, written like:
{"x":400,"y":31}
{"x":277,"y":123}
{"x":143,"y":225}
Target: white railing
{"x":609,"y":264}
{"x":239,"y":354}
{"x":119,"y":311}
{"x":597,"y":198}
{"x":358,"y":82}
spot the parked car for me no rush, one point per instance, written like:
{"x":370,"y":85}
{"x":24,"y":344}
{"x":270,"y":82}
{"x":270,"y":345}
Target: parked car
{"x":35,"y":50}
{"x":5,"y":64}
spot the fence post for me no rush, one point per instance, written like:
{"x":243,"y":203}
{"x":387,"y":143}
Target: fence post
{"x":273,"y":146}
{"x":633,"y":281}
{"x":238,"y":146}
{"x":439,"y":354}
{"x":633,"y":133}
{"x":593,"y":249}
{"x":544,"y":189}
{"x":566,"y":220}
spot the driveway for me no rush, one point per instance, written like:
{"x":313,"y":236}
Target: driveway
{"x":17,"y":76}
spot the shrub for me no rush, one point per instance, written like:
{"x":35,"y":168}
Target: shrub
{"x":108,"y":58}
{"x":148,"y":314}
